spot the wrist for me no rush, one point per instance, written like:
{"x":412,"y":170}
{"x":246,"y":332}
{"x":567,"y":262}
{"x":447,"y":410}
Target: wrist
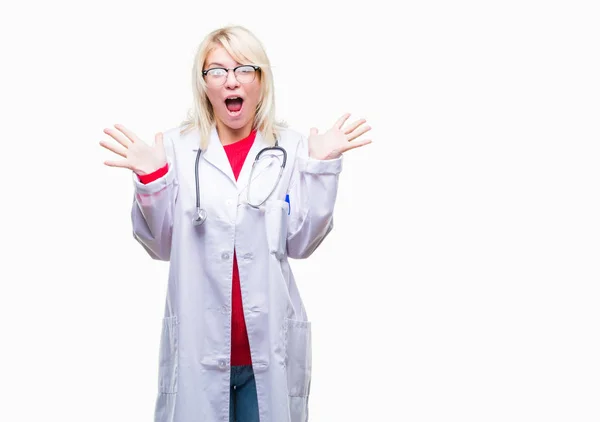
{"x":153,"y":175}
{"x":330,"y":156}
{"x":150,"y":168}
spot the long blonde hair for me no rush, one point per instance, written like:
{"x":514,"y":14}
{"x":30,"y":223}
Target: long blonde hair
{"x":245,"y":48}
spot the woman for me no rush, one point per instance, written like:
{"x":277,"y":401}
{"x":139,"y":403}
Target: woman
{"x":236,"y":340}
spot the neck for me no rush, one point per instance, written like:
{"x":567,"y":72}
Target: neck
{"x":228,"y":135}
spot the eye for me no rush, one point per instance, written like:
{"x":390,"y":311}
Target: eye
{"x":216,"y":73}
{"x":245,"y":69}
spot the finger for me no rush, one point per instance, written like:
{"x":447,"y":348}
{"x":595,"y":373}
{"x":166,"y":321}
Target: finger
{"x":354,"y":125}
{"x":118,"y":137}
{"x":120,"y":151}
{"x":358,"y":132}
{"x":314,"y":131}
{"x":121,"y":164}
{"x":357,"y":144}
{"x":342,"y":120}
{"x":132,"y":136}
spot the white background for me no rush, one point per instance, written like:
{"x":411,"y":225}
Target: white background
{"x":461,"y":280}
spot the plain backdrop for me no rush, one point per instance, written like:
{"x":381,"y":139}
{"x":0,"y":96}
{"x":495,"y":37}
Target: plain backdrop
{"x":461,"y":281}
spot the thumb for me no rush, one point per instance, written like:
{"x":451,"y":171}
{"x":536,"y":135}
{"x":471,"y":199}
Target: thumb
{"x":158,"y":140}
{"x":313,"y":131}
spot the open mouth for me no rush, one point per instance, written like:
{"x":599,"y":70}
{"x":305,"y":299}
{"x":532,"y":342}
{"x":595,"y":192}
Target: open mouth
{"x":234,"y":105}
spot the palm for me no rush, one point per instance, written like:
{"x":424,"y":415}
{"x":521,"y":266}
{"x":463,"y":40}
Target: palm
{"x":138,"y":156}
{"x":337,"y":139}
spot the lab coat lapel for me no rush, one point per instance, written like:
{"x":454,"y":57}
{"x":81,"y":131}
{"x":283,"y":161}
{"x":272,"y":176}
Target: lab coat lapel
{"x":215,"y":154}
{"x":244,"y":176}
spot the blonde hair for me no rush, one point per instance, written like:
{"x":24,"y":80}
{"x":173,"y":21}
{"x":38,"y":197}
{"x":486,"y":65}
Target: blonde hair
{"x":245,"y":48}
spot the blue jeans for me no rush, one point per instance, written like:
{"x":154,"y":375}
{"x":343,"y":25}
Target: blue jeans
{"x":243,"y":403}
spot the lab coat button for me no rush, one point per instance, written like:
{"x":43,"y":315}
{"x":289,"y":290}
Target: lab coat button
{"x":225,"y":255}
{"x":222,"y":364}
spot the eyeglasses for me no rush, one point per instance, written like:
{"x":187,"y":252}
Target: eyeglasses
{"x":217,"y":76}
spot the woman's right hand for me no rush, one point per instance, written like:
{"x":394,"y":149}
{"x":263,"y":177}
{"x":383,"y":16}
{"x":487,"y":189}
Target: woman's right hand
{"x":138,"y":156}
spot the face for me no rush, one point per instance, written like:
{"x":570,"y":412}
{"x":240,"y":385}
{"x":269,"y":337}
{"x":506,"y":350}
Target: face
{"x":234,"y":103}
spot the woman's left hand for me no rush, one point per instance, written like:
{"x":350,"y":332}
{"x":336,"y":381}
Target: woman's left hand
{"x":337,"y":140}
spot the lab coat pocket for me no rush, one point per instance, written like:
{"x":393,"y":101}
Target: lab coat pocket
{"x":169,"y":356}
{"x":276,"y":216}
{"x":298,"y":359}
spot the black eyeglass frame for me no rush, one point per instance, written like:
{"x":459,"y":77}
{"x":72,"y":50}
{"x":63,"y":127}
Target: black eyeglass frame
{"x":256,"y":69}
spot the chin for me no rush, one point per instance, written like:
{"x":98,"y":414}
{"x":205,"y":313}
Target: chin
{"x":235,"y":121}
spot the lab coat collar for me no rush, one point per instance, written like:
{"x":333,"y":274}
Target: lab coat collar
{"x":215,"y":154}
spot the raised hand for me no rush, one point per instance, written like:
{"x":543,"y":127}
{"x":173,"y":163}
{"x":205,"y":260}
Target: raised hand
{"x":138,"y":156}
{"x":337,"y":140}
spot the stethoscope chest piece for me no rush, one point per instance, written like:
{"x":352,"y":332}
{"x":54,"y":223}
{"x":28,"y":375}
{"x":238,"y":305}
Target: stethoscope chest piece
{"x":200,"y":217}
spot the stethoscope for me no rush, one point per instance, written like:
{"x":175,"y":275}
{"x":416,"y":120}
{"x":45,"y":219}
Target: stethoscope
{"x":201,"y":215}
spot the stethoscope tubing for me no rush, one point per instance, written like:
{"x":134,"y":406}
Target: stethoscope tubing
{"x":201,"y":214}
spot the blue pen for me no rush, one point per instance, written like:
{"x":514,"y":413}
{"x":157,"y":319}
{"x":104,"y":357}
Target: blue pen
{"x":287,"y":199}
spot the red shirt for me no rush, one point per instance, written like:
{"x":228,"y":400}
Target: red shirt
{"x":240,"y":347}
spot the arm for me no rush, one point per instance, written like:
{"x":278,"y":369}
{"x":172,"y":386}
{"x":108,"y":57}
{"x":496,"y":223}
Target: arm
{"x":153,"y":205}
{"x":314,"y":184}
{"x":312,"y":193}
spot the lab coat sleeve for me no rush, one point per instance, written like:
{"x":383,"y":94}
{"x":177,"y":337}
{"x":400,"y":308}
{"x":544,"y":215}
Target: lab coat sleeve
{"x":152,"y":210}
{"x":312,"y":196}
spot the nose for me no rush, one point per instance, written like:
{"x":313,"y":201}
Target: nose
{"x":231,"y":81}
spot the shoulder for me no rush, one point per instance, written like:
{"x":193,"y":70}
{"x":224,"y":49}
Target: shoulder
{"x":292,"y":139}
{"x":178,"y":137}
{"x":288,"y":133}
{"x":172,"y":132}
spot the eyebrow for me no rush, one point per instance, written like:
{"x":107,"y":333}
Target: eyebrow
{"x":215,"y":64}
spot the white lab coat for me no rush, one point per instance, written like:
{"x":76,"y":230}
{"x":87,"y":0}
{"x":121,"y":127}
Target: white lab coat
{"x":194,"y":369}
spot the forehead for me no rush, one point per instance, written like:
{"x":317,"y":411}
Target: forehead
{"x":220,"y":57}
